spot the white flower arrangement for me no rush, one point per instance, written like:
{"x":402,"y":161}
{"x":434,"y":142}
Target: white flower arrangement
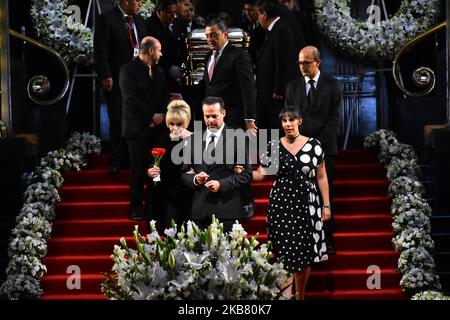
{"x":382,"y":136}
{"x":71,"y":39}
{"x":406,"y":185}
{"x":411,"y":212}
{"x":412,"y":238}
{"x":42,"y":192}
{"x":36,"y":209}
{"x":84,"y":143}
{"x":391,"y":150}
{"x":417,"y":278}
{"x":415,"y":258}
{"x":430,"y":295}
{"x":402,"y":167}
{"x":365,"y":39}
{"x":194,"y":264}
{"x":28,"y":243}
{"x":413,"y":219}
{"x":44,"y":175}
{"x":407,"y":202}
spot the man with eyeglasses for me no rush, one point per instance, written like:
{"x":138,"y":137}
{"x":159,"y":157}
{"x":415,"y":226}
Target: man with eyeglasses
{"x":318,"y":96}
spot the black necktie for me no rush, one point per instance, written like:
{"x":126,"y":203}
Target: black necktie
{"x":311,"y":92}
{"x":210,"y":148}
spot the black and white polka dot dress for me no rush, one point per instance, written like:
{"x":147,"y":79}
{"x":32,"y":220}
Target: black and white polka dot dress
{"x":294,"y":216}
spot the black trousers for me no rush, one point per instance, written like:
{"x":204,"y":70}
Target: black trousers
{"x":330,"y":161}
{"x":140,"y":157}
{"x":117,"y":143}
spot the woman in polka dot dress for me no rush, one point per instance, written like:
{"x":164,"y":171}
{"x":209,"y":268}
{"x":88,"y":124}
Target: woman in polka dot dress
{"x":295,"y":215}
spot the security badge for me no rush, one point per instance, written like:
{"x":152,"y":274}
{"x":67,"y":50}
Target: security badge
{"x":136,"y":52}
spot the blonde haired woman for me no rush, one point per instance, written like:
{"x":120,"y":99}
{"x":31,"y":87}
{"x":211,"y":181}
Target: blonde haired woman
{"x":171,"y":199}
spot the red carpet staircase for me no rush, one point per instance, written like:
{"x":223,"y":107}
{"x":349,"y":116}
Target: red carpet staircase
{"x":92,"y":216}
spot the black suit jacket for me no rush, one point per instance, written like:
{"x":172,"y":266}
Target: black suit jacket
{"x":291,"y":19}
{"x":168,"y":41}
{"x":226,"y":203}
{"x":321,"y":120}
{"x":112,"y":47}
{"x":142,"y":96}
{"x":233,"y":81}
{"x":276,"y":63}
{"x":169,"y":50}
{"x":257,"y":35}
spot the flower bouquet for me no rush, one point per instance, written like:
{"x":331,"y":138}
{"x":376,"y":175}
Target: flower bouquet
{"x":193,"y":264}
{"x":157,"y":154}
{"x":430,"y":295}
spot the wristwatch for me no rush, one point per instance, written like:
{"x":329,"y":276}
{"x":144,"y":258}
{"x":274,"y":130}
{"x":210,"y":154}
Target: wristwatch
{"x":326,"y":206}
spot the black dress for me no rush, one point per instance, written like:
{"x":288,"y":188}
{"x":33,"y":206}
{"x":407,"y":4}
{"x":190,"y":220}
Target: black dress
{"x":170,"y":198}
{"x":294,"y":212}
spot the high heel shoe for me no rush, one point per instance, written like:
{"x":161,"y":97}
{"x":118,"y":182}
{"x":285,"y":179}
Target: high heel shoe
{"x":280,"y":294}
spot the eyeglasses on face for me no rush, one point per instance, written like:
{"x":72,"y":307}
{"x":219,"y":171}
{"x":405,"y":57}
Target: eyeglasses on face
{"x":305,"y":63}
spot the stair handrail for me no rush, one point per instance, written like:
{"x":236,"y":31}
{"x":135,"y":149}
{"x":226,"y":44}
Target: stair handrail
{"x":40,"y":82}
{"x":422,"y":76}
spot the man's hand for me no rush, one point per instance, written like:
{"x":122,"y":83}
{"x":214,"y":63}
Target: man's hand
{"x":157,"y":119}
{"x":251,"y":125}
{"x":201,"y":178}
{"x":276,"y":96}
{"x":213,"y":185}
{"x":107,"y":84}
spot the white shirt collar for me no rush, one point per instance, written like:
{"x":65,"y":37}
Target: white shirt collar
{"x":123,"y":12}
{"x":273,"y":23}
{"x":316,"y":78}
{"x":217,"y":133}
{"x":221,"y":49}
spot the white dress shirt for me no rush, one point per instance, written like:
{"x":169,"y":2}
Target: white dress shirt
{"x":273,"y":23}
{"x":308,"y":86}
{"x":219,"y":53}
{"x":217,"y":134}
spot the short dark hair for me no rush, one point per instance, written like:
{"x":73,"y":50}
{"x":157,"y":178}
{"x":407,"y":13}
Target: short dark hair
{"x":251,"y":2}
{"x":270,"y":7}
{"x":218,"y":23}
{"x":213,"y":100}
{"x":292,"y":110}
{"x":147,"y":44}
{"x":163,"y":5}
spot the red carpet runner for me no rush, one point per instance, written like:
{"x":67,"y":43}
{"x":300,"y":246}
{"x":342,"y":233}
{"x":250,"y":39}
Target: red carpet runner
{"x":92,"y":216}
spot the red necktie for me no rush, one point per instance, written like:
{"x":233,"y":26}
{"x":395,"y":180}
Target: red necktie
{"x":213,"y":63}
{"x":131,"y":34}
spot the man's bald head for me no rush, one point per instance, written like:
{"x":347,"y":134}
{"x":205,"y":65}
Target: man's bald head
{"x":148,"y":43}
{"x":309,"y":61}
{"x":311,"y":52}
{"x":150,"y":50}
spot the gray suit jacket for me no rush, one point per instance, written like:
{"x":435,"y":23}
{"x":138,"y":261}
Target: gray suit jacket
{"x":226,"y":203}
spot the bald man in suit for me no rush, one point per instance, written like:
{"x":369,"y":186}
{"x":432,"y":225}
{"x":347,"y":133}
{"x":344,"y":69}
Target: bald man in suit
{"x":117,"y":35}
{"x":319,"y":97}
